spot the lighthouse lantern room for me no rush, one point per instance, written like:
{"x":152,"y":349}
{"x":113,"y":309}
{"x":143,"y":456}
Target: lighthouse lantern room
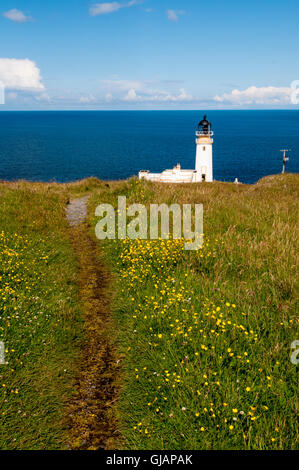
{"x":203,"y":162}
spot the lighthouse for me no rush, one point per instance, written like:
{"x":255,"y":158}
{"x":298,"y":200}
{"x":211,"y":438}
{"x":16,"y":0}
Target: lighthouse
{"x":203,"y":161}
{"x":204,"y":152}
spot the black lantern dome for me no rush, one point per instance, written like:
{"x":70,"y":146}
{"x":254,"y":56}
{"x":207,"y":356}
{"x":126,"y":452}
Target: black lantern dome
{"x":205,"y":126}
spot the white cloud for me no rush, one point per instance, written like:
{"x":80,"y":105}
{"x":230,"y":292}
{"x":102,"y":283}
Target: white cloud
{"x":139,"y":91}
{"x":157,"y":96}
{"x":108,"y":97}
{"x":183,"y":96}
{"x":173,"y":15}
{"x":87,"y":99}
{"x":20,"y":74}
{"x":17,"y":16}
{"x":254,"y":95}
{"x":132,"y":96}
{"x":169,"y":97}
{"x":122,"y":85}
{"x":105,"y":8}
{"x":43,"y":97}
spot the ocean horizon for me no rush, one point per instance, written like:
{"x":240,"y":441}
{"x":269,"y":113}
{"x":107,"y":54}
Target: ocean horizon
{"x":66,"y":146}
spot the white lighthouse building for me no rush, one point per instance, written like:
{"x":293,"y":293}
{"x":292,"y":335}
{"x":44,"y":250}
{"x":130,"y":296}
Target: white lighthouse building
{"x":203,"y":162}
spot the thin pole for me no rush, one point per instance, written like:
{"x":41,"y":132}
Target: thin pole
{"x":285,"y":159}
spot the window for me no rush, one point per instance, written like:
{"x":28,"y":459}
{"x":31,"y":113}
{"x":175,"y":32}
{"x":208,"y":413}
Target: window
{"x":204,"y":149}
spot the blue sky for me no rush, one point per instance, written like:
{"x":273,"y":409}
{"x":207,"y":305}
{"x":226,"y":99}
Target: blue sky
{"x":151,"y":54}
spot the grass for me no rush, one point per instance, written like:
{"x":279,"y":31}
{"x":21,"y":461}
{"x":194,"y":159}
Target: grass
{"x":40,"y":318}
{"x":203,"y":338}
{"x":206,"y":335}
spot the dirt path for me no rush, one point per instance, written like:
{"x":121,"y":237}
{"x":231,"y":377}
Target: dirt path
{"x":92,"y":421}
{"x":76,"y":211}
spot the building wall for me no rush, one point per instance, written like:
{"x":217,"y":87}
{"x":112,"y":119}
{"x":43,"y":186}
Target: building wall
{"x":204,"y":159}
{"x":170,"y":176}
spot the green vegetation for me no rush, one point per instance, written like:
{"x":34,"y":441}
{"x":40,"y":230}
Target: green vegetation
{"x":202,"y":338}
{"x":40,"y":321}
{"x":206,"y":335}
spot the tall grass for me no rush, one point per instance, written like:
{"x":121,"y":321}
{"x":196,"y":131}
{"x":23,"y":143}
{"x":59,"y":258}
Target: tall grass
{"x":40,"y":321}
{"x":203,"y":337}
{"x":206,"y":335}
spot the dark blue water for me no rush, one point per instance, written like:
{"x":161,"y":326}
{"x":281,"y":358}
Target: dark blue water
{"x":66,"y":146}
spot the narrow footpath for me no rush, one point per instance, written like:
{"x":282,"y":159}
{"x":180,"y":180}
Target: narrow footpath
{"x":92,"y":422}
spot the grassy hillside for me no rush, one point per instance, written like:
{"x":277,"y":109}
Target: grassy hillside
{"x":203,"y":338}
{"x":40,"y":321}
{"x":206,"y":335}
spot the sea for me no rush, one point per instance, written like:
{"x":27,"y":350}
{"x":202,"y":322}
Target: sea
{"x":66,"y":146}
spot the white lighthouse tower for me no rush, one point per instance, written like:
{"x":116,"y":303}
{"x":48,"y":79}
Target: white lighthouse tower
{"x":204,"y":152}
{"x":203,"y":163}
